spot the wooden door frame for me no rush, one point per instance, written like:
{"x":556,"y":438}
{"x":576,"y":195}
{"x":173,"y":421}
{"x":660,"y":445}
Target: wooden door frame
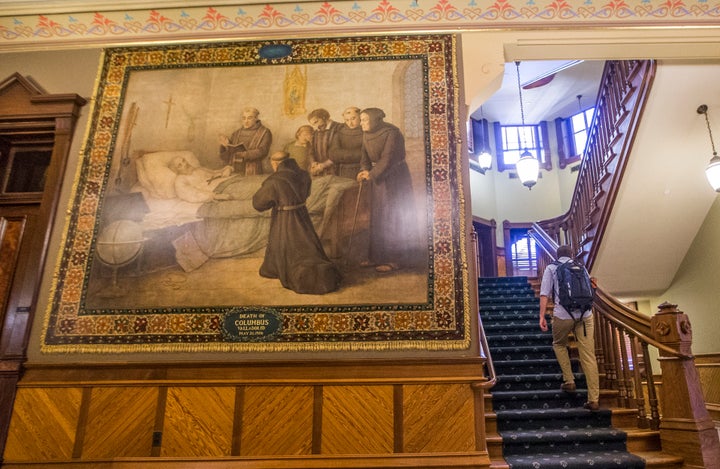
{"x":28,"y":112}
{"x":491,"y":225}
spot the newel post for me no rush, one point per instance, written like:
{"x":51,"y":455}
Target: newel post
{"x":686,"y":428}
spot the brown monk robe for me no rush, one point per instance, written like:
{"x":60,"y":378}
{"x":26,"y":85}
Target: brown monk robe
{"x":393,"y":234}
{"x":294,"y":253}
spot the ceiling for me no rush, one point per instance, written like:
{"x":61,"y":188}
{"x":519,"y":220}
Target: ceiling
{"x":557,"y":98}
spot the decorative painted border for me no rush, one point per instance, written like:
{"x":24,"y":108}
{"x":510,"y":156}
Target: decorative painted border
{"x":205,"y":23}
{"x":443,"y":323}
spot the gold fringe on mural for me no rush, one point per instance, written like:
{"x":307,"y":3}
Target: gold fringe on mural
{"x":230,"y":347}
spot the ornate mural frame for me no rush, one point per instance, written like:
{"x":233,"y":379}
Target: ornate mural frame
{"x":442,"y":323}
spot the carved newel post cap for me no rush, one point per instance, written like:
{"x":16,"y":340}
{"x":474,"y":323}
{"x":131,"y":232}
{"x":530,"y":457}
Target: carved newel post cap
{"x":672,"y":326}
{"x":667,"y":308}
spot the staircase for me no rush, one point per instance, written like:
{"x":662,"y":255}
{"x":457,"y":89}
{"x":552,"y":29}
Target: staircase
{"x":532,"y":423}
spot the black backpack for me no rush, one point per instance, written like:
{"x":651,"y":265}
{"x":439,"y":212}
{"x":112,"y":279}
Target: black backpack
{"x":575,"y":291}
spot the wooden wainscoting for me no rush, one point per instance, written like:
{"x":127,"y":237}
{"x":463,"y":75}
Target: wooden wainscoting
{"x":415,"y":413}
{"x":708,"y":367}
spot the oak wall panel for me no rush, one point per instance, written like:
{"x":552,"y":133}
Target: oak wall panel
{"x":277,"y":420}
{"x":708,"y":368}
{"x":357,"y":420}
{"x":120,"y":422}
{"x":11,"y":231}
{"x":198,"y":421}
{"x":43,"y":424}
{"x":438,"y":417}
{"x":271,"y":415}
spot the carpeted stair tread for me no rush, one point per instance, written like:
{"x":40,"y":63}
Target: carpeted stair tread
{"x":517,"y":340}
{"x":511,"y":325}
{"x":525,"y":300}
{"x":513,"y":307}
{"x":529,"y":384}
{"x":584,"y":434}
{"x":539,"y":400}
{"x":515,"y":352}
{"x":550,"y":419}
{"x":541,"y":337}
{"x":502,"y":280}
{"x":510,"y":315}
{"x":563,"y":441}
{"x":540,"y":365}
{"x":576,"y":460}
{"x":506,"y":288}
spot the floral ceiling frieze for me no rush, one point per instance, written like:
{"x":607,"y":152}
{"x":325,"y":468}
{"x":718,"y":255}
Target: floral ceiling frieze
{"x":346,"y":16}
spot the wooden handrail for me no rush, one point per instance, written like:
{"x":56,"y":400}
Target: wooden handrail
{"x":485,"y":348}
{"x":633,"y":322}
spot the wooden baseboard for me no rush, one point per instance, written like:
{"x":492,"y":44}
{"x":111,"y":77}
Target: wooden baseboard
{"x":435,"y":460}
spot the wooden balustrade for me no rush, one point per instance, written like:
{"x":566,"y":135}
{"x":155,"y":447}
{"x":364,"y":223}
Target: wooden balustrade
{"x":623,"y":91}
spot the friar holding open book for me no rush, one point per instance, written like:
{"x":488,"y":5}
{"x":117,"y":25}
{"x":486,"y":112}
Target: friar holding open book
{"x":248,"y":146}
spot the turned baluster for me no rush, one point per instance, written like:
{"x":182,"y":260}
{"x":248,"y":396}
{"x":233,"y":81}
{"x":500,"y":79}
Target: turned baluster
{"x":625,"y":367}
{"x":639,"y":392}
{"x":610,"y":370}
{"x":652,"y":391}
{"x":617,"y":347}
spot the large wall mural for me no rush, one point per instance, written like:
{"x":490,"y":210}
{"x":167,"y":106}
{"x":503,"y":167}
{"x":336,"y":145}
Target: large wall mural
{"x":290,"y":195}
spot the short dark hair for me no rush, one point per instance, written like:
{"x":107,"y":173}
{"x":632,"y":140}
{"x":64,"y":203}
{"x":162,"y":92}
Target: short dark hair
{"x":564,"y":251}
{"x":321,"y":113}
{"x":374,"y":113}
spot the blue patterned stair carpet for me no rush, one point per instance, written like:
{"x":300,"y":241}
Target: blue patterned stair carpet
{"x":541,"y":426}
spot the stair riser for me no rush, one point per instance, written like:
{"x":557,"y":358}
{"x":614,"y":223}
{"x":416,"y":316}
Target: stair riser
{"x":517,"y":307}
{"x":649,"y":442}
{"x":550,"y":447}
{"x":552,"y":424}
{"x":515,"y":355}
{"x":543,"y":369}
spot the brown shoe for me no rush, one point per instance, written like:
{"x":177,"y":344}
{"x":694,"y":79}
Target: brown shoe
{"x":592,"y":406}
{"x":567,"y":387}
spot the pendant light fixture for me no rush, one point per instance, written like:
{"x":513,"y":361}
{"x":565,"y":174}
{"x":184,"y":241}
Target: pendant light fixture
{"x":484,"y":158}
{"x":712,"y":172}
{"x":528,"y":167}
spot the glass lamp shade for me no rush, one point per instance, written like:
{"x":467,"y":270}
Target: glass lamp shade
{"x":528,"y":168}
{"x":713,"y":172}
{"x":485,"y":160}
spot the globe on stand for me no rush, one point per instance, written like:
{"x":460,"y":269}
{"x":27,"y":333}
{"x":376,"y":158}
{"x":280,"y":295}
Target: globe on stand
{"x":119,"y":244}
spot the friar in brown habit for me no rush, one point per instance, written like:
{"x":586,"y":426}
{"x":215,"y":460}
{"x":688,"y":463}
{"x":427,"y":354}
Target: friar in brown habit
{"x":294,"y":253}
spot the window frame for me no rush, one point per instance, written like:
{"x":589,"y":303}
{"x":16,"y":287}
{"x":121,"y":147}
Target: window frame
{"x":568,"y":153}
{"x":541,"y":148}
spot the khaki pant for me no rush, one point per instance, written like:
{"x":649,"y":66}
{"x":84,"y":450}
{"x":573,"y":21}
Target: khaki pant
{"x":561,"y":328}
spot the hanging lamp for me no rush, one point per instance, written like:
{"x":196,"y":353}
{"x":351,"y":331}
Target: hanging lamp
{"x":528,"y":167}
{"x":712,"y":171}
{"x":484,"y":158}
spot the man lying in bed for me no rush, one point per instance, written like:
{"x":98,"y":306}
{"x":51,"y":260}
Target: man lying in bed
{"x":197,"y":184}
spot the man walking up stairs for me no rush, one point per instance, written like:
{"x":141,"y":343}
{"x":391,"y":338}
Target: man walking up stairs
{"x":542,"y":426}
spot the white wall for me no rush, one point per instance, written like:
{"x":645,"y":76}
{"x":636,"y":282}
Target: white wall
{"x":696,"y":286}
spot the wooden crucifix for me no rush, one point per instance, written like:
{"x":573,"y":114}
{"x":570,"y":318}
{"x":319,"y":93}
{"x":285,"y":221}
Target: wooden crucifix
{"x":169,"y":103}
